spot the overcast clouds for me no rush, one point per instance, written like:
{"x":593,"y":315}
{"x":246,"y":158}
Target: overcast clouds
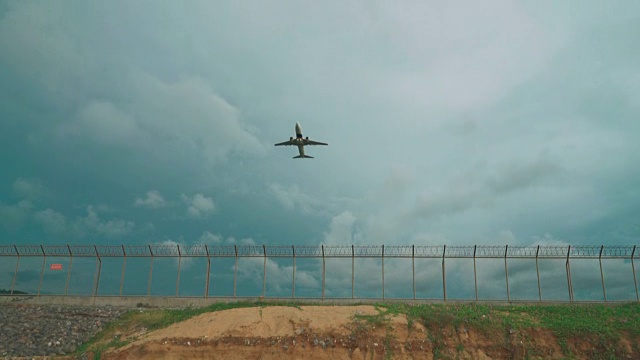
{"x":467,"y":122}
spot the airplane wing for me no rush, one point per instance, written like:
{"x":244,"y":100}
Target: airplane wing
{"x":311,"y":142}
{"x":286,"y":143}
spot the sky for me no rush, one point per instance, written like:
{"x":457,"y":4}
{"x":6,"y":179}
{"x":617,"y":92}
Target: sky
{"x":459,"y":122}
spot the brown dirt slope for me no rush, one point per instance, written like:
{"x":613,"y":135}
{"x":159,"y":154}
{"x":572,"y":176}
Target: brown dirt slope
{"x":338,"y":332}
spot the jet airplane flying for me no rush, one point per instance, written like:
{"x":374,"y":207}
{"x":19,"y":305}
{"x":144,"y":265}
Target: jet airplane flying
{"x":300,"y":142}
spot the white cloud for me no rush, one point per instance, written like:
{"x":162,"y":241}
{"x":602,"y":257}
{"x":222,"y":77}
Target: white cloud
{"x":92,"y":224}
{"x":341,"y":230}
{"x":244,"y":241}
{"x":216,"y":239}
{"x":292,"y":198}
{"x":210,"y":239}
{"x":153,"y":200}
{"x":29,"y":188}
{"x":102,"y":121}
{"x":198,"y":205}
{"x":52,"y":221}
{"x":13,"y":217}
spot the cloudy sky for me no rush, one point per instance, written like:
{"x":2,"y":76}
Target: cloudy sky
{"x":458,"y":122}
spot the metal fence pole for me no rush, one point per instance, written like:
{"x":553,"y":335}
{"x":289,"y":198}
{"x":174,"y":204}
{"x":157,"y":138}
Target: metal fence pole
{"x":150,"y":272}
{"x":413,"y":269}
{"x":568,"y":267}
{"x":633,"y":268}
{"x":235,"y":272}
{"x":538,"y":273}
{"x":323,"y":271}
{"x":506,"y":271}
{"x":353,"y":271}
{"x":604,"y":290}
{"x":15,"y":274}
{"x":99,"y":265}
{"x":475,"y":274}
{"x":66,"y":285}
{"x":124,"y":265}
{"x":444,"y":276}
{"x":293,"y":282}
{"x":206,"y":286}
{"x":264,"y":272}
{"x":382,"y":272}
{"x":44,"y":260}
{"x":179,"y":265}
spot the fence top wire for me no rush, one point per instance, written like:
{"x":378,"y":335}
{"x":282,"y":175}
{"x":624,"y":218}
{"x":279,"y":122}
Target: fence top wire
{"x":438,"y":251}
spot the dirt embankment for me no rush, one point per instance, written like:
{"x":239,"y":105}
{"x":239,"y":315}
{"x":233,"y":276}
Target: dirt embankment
{"x":345,"y":332}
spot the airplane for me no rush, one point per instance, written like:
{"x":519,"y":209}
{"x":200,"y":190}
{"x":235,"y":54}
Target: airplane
{"x":300,"y":142}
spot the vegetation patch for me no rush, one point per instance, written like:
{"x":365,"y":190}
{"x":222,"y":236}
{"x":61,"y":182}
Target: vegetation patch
{"x":136,"y":322}
{"x":515,"y":331}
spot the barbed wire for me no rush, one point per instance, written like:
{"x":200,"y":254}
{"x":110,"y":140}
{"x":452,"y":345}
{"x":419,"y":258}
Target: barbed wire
{"x":359,"y":251}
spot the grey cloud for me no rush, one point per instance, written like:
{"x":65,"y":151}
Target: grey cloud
{"x":52,"y":221}
{"x":13,"y":217}
{"x":459,"y":197}
{"x":93,"y":224}
{"x":514,"y":177}
{"x":293,"y":198}
{"x":101,"y":120}
{"x":29,"y":188}
{"x":436,"y":114}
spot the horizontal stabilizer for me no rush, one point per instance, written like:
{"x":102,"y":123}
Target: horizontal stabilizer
{"x":300,"y":156}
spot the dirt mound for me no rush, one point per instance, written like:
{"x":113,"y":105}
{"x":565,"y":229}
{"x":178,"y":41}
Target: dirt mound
{"x":336,"y":332}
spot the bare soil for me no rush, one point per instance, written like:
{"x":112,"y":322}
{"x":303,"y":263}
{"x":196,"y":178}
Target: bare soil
{"x":336,"y":332}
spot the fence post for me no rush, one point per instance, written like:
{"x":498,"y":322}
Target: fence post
{"x":66,"y":286}
{"x":293,"y":283}
{"x":323,"y":270}
{"x":475,"y":274}
{"x":15,"y":274}
{"x":382,"y":272}
{"x":44,"y":260}
{"x":235,"y":272}
{"x":99,"y":265}
{"x":179,"y":265}
{"x":568,"y":267}
{"x":444,"y":276}
{"x":353,"y":271}
{"x":506,"y":271}
{"x":633,"y":268}
{"x":604,"y":290}
{"x":538,"y":273}
{"x":206,"y":286}
{"x":124,"y":264}
{"x":413,"y":269}
{"x":150,"y":271}
{"x":264,"y":271}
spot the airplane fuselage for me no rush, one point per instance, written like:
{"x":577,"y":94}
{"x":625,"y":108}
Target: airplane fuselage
{"x":300,"y":141}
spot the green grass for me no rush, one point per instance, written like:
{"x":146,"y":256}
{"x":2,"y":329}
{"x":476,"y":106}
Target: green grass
{"x":15,"y":292}
{"x":154,"y":319}
{"x":603,"y":325}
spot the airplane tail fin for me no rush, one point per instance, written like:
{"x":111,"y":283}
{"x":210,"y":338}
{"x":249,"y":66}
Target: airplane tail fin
{"x":300,"y":156}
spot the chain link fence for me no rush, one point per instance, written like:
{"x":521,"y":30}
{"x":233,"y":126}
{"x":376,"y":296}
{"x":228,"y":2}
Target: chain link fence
{"x":471,"y":273}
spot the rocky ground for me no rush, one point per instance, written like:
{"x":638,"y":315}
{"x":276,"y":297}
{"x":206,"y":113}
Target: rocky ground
{"x":47,"y":330}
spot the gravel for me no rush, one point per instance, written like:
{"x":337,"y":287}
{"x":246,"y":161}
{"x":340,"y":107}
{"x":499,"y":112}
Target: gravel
{"x":47,"y":330}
